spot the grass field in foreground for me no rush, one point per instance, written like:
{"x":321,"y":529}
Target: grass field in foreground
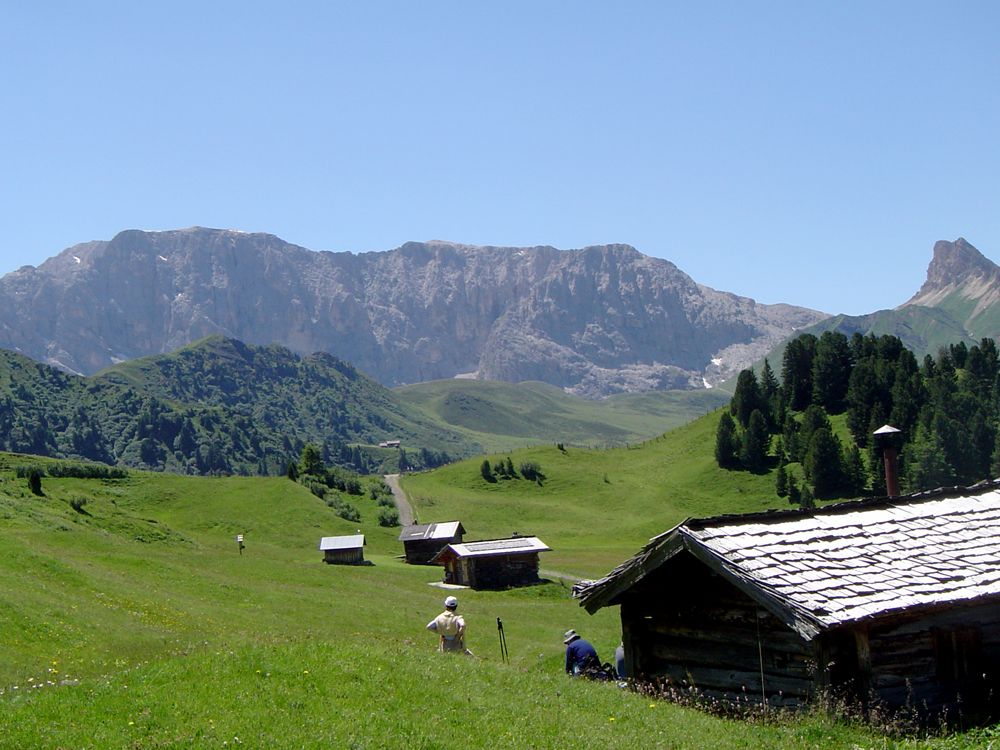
{"x":145,"y":628}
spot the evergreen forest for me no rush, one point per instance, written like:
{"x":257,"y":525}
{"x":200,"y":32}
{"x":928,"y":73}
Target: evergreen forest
{"x":813,"y":427}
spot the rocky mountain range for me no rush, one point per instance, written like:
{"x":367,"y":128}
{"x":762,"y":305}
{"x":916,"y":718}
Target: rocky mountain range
{"x":958,"y":301}
{"x":594,"y":321}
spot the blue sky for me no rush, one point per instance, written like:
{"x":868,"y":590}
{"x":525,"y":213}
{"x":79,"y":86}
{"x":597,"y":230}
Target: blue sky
{"x":795,"y":152}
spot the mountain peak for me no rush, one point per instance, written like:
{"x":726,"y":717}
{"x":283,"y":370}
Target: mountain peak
{"x":955,"y":267}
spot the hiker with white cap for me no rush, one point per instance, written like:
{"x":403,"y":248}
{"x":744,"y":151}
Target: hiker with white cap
{"x":581,"y":657}
{"x":450,"y":628}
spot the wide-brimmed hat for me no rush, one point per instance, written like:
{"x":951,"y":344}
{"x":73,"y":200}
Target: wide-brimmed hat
{"x":570,"y":635}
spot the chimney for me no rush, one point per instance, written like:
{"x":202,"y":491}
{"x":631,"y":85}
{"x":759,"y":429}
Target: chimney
{"x":887,"y":438}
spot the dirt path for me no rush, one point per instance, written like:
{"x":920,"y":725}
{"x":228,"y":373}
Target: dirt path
{"x":402,"y":503}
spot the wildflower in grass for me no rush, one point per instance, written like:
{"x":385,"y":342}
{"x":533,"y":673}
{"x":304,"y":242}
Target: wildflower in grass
{"x":611,"y":718}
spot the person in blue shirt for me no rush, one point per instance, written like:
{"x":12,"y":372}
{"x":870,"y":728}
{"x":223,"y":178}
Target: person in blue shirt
{"x":580,"y":655}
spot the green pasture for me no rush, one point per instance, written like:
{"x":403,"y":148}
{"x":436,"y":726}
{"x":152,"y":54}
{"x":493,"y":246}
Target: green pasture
{"x":508,"y":416}
{"x":594,"y":507}
{"x":134,"y":622}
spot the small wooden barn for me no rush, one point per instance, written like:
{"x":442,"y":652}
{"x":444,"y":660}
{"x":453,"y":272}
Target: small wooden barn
{"x":343,"y":550}
{"x":893,"y":600}
{"x":492,"y":563}
{"x":422,"y":542}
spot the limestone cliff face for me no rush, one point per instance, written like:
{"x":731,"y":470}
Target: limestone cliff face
{"x":959,"y":270}
{"x":595,"y":321}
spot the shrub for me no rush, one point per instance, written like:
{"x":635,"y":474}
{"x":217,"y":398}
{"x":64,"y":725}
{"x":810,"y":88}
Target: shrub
{"x":317,"y":488}
{"x":25,"y":470}
{"x":388,"y":517}
{"x":77,"y":502}
{"x":35,"y":481}
{"x":532,"y":472}
{"x":385,"y":501}
{"x":86,"y":471}
{"x":344,"y":509}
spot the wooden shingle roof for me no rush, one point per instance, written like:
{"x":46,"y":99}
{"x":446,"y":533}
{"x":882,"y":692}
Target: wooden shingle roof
{"x":424,"y":531}
{"x":352,"y":541}
{"x":489,"y":547}
{"x":843,"y":563}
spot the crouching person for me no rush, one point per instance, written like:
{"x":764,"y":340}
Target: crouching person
{"x":581,"y":657}
{"x":450,"y":628}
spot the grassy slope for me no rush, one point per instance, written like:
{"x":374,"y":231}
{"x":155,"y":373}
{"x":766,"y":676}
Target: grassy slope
{"x":595,"y":507}
{"x":167,"y":637}
{"x":506,"y":416}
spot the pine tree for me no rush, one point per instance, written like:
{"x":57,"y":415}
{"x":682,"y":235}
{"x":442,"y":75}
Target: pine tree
{"x":854,"y":469}
{"x":831,"y":369}
{"x":727,"y":445}
{"x":926,"y":466}
{"x":486,"y":471}
{"x":823,"y":464}
{"x":746,"y":398}
{"x":796,"y":371}
{"x":753,"y":447}
{"x":311,"y":461}
{"x":794,"y":493}
{"x":781,"y":482}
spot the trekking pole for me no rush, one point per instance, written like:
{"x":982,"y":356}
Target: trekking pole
{"x":504,"y":656}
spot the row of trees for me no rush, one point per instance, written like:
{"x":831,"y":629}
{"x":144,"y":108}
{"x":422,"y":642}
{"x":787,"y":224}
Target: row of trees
{"x":947,"y":407}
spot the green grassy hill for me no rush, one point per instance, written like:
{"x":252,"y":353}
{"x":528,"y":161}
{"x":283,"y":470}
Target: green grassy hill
{"x":216,"y":406}
{"x":133,"y":622}
{"x":505,"y":416}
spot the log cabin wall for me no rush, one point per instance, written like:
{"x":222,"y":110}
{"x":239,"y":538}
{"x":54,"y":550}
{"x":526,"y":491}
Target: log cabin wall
{"x":503,"y":571}
{"x":422,"y":551}
{"x":344,"y":556}
{"x":944,"y":658}
{"x":709,"y":635}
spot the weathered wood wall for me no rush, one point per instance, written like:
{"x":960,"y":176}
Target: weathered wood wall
{"x":949,"y":658}
{"x":708,"y":635}
{"x":494,"y":572}
{"x":344,"y":556}
{"x":422,"y":551}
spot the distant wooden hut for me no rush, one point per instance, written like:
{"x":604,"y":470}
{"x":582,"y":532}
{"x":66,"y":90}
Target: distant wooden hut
{"x":343,"y":550}
{"x":492,"y":563}
{"x":422,"y":542}
{"x":896,"y":600}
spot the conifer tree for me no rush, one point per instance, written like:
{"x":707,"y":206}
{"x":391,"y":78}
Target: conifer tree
{"x":796,"y":371}
{"x":753,"y":446}
{"x":727,"y":444}
{"x":823,"y":464}
{"x":746,"y":398}
{"x":831,"y":370}
{"x":781,"y":482}
{"x":794,"y":493}
{"x":926,"y":466}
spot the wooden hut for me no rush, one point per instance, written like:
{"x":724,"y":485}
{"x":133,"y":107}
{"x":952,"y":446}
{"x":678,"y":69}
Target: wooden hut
{"x":492,"y":563}
{"x":343,"y":550}
{"x":896,"y":600}
{"x":422,"y":542}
